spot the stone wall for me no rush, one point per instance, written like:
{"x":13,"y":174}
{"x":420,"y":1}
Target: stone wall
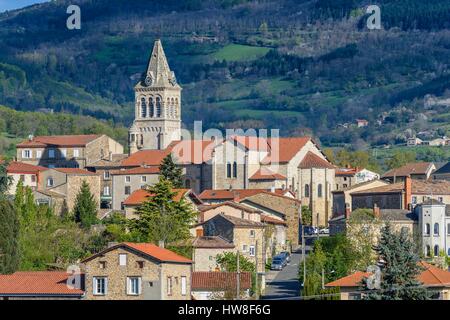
{"x":243,"y":238}
{"x":383,"y":201}
{"x":153,"y":277}
{"x":74,"y":183}
{"x":205,"y":258}
{"x":119,"y":184}
{"x":319,"y":205}
{"x":287,"y":206}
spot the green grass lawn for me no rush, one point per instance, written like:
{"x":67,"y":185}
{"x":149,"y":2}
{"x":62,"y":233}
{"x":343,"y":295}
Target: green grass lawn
{"x":260,"y":114}
{"x":8,"y":144}
{"x":424,"y":153}
{"x":238,"y":52}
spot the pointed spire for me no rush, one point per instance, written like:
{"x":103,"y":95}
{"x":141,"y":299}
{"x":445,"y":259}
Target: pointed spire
{"x":158,"y":71}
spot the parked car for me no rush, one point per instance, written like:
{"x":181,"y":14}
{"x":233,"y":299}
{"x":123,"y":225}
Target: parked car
{"x":324,"y":231}
{"x":278,"y":263}
{"x":309,"y":231}
{"x":286,"y":255}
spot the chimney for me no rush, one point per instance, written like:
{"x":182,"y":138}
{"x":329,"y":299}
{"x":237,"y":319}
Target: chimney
{"x":376,"y":211}
{"x":161,"y":243}
{"x":199,"y":232}
{"x":408,"y":192}
{"x":347,"y":211}
{"x":112,"y":244}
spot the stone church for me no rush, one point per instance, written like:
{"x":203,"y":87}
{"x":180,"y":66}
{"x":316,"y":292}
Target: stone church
{"x":294,"y":163}
{"x":157,"y":105}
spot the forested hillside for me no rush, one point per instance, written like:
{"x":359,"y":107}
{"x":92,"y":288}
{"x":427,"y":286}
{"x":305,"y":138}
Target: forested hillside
{"x":305,"y":66}
{"x":16,"y":125}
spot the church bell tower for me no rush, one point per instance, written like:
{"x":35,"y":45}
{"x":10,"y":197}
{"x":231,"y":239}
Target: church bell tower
{"x":157,"y":120}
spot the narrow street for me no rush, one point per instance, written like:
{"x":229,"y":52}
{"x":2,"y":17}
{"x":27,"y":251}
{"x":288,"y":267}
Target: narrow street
{"x":284,"y":284}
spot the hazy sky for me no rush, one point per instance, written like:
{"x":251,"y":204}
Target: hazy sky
{"x":16,"y":4}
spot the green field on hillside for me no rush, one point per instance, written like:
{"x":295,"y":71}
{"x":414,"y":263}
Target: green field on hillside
{"x":238,"y":52}
{"x":423,"y":153}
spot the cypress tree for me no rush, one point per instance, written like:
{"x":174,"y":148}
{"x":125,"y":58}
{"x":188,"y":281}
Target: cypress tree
{"x":5,"y":181}
{"x":171,"y":172}
{"x":9,"y":228}
{"x":400,"y":268}
{"x":9,"y":238}
{"x":85,"y":210}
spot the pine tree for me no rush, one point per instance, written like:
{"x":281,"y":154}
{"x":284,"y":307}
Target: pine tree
{"x":161,"y":217}
{"x":9,"y":238}
{"x":400,"y":268}
{"x":171,"y":172}
{"x":85,"y":210}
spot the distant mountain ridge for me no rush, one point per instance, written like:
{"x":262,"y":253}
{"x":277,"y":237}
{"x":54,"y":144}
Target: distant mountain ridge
{"x":304,"y":66}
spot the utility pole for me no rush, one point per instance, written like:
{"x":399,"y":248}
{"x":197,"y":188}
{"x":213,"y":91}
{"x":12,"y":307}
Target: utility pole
{"x":257,"y":274}
{"x":303,"y":255}
{"x":317,"y":222}
{"x":323,"y":278}
{"x":238,"y":278}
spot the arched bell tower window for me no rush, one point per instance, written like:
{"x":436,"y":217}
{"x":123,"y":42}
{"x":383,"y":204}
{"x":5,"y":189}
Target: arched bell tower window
{"x":175,"y":108}
{"x":158,"y":107}
{"x":151,"y":107}
{"x":172,"y":108}
{"x":143,"y":108}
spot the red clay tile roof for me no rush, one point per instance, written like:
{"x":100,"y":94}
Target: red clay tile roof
{"x":266,"y":174}
{"x":76,"y":171}
{"x":347,"y":171}
{"x":37,"y":283}
{"x":192,"y":151}
{"x":253,"y":143}
{"x":149,"y":249}
{"x":435,"y":187}
{"x":390,"y":188}
{"x":141,"y":195}
{"x":235,"y":194}
{"x":145,"y":157}
{"x":24,"y":168}
{"x":138,"y":170}
{"x":59,"y":141}
{"x":408,"y":169}
{"x":282,"y":150}
{"x":220,"y":281}
{"x":431,"y":276}
{"x":229,"y":203}
{"x":312,"y":160}
{"x":238,"y":222}
{"x":352,"y":280}
{"x":270,"y":220}
{"x":116,"y":160}
{"x":183,"y":152}
{"x":213,"y":242}
{"x":159,"y":253}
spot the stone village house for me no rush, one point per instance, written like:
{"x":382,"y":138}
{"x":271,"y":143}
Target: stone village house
{"x":59,"y":187}
{"x":75,"y":151}
{"x":137,"y":271}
